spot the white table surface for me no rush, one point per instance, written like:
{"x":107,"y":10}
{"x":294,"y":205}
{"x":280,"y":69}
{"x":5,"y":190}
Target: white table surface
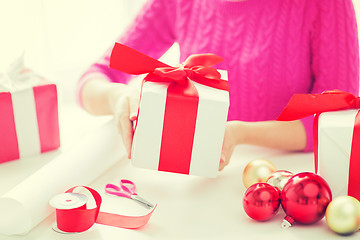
{"x":188,"y":207}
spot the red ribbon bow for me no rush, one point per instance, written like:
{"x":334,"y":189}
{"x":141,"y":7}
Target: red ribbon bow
{"x":197,"y":67}
{"x":303,"y":105}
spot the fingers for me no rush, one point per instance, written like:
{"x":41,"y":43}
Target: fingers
{"x":133,"y":112}
{"x":133,"y":107}
{"x":125,"y":126}
{"x":125,"y":114}
{"x":223,"y":162}
{"x":227,"y":148}
{"x":223,"y":159}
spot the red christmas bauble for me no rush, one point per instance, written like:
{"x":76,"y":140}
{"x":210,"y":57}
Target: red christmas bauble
{"x":261,"y":201}
{"x":305,"y":197}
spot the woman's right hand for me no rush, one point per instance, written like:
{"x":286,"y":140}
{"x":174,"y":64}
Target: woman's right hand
{"x":125,"y":110}
{"x":101,"y":97}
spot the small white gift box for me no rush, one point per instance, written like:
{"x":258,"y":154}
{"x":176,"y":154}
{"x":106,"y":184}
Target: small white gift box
{"x":338,"y":148}
{"x":29,"y":114}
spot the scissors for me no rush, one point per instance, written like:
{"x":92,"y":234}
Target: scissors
{"x":127,"y":189}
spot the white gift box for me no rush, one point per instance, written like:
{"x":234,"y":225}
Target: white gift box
{"x":335,"y":139}
{"x":208,"y":135}
{"x":28,"y":114}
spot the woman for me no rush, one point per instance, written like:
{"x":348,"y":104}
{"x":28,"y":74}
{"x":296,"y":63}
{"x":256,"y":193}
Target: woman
{"x":272,"y":50}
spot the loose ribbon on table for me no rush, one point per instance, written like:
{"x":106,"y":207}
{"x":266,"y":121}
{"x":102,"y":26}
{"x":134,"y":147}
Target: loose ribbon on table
{"x":81,"y":219}
{"x":303,"y":105}
{"x":181,"y":101}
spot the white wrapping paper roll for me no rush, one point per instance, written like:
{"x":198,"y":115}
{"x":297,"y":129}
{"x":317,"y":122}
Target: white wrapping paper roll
{"x":27,"y":204}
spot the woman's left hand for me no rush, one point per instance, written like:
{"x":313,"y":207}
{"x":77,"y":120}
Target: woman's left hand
{"x":289,"y":136}
{"x":228,"y":146}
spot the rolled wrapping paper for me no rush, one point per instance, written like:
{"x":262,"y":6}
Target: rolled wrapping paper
{"x":27,"y":204}
{"x":73,"y":214}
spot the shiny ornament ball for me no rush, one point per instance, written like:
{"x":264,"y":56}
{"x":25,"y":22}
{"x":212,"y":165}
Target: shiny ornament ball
{"x":305,"y":197}
{"x":261,"y":201}
{"x":343,"y":215}
{"x":279,"y":178}
{"x":257,"y":171}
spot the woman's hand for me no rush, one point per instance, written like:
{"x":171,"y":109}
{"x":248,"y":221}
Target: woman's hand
{"x":228,"y":145}
{"x":125,"y":111}
{"x":289,"y":136}
{"x":101,"y":97}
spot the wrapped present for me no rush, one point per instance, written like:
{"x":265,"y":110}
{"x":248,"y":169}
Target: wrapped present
{"x":336,"y":136}
{"x":182,"y":112}
{"x":28,"y":114}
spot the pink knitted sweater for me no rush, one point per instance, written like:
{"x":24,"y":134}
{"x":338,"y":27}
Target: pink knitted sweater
{"x":272,"y":48}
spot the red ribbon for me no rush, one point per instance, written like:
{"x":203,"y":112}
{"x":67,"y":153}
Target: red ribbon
{"x":197,"y":67}
{"x":46,"y":103}
{"x":9,"y":146}
{"x":181,"y":100}
{"x":354,"y":179}
{"x":81,"y":219}
{"x":303,"y":105}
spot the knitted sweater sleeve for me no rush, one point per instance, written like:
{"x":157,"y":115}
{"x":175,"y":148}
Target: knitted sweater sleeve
{"x":151,"y":33}
{"x":335,"y":51}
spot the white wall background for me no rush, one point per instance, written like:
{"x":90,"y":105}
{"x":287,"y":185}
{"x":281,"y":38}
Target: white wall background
{"x":62,"y":37}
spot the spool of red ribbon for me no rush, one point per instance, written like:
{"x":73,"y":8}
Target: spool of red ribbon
{"x":73,"y":213}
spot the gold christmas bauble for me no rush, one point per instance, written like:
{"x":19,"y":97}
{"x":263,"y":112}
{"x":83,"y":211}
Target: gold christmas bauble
{"x":257,"y":171}
{"x":279,"y":178}
{"x":343,"y":215}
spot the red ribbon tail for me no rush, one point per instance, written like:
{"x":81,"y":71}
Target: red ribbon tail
{"x":130,"y":61}
{"x":354,"y":168}
{"x":303,"y":105}
{"x":206,"y":60}
{"x":316,"y":141}
{"x":120,"y":221}
{"x":295,"y":109}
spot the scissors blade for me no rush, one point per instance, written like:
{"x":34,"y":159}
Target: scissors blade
{"x":142,"y":201}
